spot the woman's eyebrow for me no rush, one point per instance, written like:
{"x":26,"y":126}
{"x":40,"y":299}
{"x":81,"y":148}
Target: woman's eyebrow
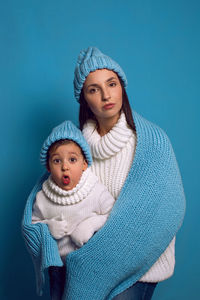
{"x":92,"y":84}
{"x":110,"y":79}
{"x":96,"y":85}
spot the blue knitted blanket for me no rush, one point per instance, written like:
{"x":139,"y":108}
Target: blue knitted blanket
{"x":145,"y":218}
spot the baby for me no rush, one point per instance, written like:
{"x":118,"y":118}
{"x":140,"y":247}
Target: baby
{"x":72,"y":202}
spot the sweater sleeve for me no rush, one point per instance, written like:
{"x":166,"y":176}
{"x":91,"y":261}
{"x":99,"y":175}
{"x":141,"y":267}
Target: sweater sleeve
{"x":106,"y":202}
{"x":86,"y":229}
{"x":145,"y":218}
{"x":37,"y":215}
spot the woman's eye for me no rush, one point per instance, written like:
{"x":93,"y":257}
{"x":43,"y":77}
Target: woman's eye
{"x":93,"y":90}
{"x":113,"y":84}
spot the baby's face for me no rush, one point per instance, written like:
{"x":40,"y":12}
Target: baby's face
{"x":66,"y":164}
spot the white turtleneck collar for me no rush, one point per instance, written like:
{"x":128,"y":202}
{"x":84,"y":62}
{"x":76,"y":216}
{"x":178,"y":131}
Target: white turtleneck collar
{"x":103,"y":147}
{"x":59,"y":196}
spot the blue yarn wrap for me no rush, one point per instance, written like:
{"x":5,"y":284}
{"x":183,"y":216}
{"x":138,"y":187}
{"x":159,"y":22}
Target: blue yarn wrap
{"x":146,"y":216}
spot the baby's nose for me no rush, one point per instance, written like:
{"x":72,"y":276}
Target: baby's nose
{"x":65,"y":166}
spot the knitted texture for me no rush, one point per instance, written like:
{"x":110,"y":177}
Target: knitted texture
{"x":113,"y":155}
{"x":62,"y":197}
{"x":163,"y":268}
{"x":90,"y":60}
{"x":39,"y":242}
{"x":145,"y":218}
{"x":85,"y":209}
{"x":66,"y":130}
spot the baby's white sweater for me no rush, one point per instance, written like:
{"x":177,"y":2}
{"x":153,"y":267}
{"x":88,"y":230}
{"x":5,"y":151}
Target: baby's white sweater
{"x":113,"y":156}
{"x":85,"y":208}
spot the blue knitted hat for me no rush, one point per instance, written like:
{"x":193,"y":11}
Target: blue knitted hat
{"x":66,"y":130}
{"x":90,"y":60}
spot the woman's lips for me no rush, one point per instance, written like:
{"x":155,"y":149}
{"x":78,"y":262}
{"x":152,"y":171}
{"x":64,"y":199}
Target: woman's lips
{"x":66,"y":180}
{"x":108,"y":106}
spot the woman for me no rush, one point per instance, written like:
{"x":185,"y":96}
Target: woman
{"x":134,"y":159}
{"x":107,"y":123}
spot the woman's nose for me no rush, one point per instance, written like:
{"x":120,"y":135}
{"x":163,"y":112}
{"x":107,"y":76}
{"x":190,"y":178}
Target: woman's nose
{"x":105,"y":94}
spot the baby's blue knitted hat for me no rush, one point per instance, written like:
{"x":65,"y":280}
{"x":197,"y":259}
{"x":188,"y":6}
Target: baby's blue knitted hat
{"x":90,"y":60}
{"x":66,"y":130}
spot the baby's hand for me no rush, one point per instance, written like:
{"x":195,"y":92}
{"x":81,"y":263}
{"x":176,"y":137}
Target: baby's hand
{"x":82,"y":233}
{"x":58,"y":227}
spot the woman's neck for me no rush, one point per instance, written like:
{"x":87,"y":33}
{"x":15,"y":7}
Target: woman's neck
{"x":106,"y":124}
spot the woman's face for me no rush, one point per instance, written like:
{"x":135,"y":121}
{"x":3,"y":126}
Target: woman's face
{"x":103,"y":94}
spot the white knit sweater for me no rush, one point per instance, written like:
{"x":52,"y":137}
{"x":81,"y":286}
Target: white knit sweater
{"x":113,"y":156}
{"x":85,"y":208}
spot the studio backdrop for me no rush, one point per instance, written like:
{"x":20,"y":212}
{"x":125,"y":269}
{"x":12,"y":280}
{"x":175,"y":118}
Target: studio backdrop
{"x":157,"y":43}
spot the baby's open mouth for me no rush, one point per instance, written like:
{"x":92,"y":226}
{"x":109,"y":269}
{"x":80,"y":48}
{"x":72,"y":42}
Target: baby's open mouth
{"x":66,"y":179}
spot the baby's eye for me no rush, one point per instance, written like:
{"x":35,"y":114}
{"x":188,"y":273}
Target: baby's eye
{"x":56,"y":161}
{"x":73,"y":159}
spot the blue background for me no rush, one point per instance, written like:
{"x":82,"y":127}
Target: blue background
{"x":157,"y":43}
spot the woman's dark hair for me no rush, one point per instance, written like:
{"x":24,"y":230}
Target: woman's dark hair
{"x":85,"y":112}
